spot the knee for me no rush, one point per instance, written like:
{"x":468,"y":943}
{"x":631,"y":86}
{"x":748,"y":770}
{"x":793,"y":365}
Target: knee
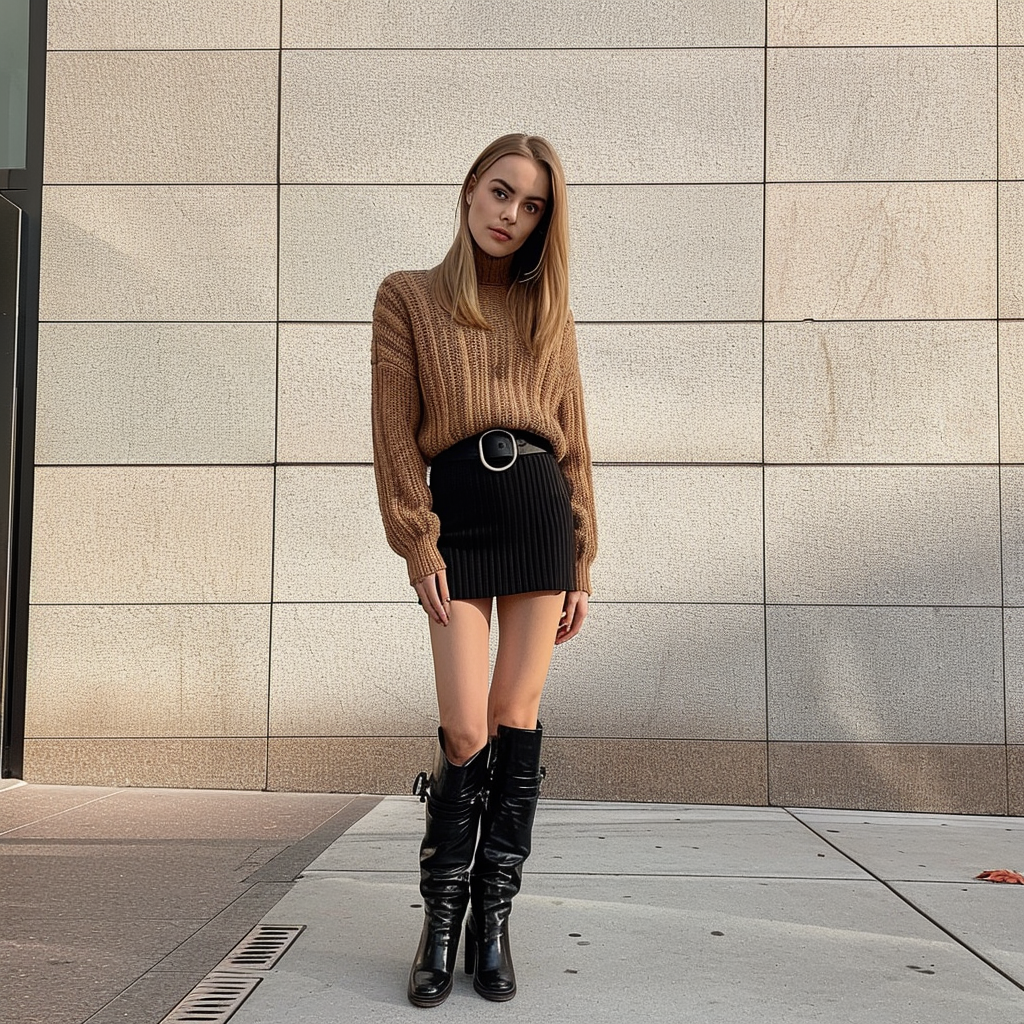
{"x":460,"y":744}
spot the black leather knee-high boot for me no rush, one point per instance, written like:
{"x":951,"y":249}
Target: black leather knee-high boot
{"x":453,"y":796}
{"x":505,"y":837}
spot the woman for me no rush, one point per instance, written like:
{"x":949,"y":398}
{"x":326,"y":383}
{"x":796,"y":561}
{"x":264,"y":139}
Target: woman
{"x":475,"y":374}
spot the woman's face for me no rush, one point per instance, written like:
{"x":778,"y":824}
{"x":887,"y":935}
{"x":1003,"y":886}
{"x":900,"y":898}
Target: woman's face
{"x":506,"y":203}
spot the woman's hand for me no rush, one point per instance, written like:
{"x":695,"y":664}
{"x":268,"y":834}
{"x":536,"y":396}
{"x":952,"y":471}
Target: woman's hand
{"x":574,"y":611}
{"x":433,"y":594}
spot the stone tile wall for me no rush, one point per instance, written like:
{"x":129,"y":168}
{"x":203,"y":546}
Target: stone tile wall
{"x":799,"y":280}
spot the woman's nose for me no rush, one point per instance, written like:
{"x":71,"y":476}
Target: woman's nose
{"x":511,"y":212}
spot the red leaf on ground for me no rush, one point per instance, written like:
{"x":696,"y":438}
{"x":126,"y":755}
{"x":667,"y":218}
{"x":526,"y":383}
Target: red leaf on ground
{"x":1011,"y":877}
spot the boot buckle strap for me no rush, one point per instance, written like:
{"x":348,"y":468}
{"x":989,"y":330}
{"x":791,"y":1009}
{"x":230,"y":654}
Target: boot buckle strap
{"x":419,"y":787}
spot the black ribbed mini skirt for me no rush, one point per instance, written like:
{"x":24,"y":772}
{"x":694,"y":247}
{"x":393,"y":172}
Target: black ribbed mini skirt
{"x":509,"y":532}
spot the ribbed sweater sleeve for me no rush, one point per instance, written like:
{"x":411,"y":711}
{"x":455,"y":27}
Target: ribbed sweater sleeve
{"x":411,"y":528}
{"x":576,"y":464}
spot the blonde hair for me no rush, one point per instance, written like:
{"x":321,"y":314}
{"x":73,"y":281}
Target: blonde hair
{"x":538,"y":297}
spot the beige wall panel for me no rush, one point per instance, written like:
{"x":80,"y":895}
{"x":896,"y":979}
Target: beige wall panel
{"x":163,"y":24}
{"x":939,"y":778}
{"x":138,"y":670}
{"x":329,"y":542}
{"x":351,"y":670}
{"x":152,"y":535}
{"x":178,"y":763}
{"x":334,"y":252}
{"x":922,"y":250}
{"x":1011,"y":391}
{"x":153,"y":117}
{"x":882,"y":535}
{"x":1011,"y":249}
{"x":323,"y":398}
{"x":885,"y":114}
{"x":660,"y":670}
{"x":1011,"y":23}
{"x":158,"y":252}
{"x":672,"y":392}
{"x":881,"y":392}
{"x":885,"y":675}
{"x":660,"y":23}
{"x":689,"y":115}
{"x":1014,"y":646}
{"x":678,"y":533}
{"x":1013,"y":534}
{"x":869,"y":23}
{"x":182,"y":393}
{"x":1011,"y":110}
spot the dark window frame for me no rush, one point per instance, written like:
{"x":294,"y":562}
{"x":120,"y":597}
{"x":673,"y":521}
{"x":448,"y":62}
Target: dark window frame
{"x":24,"y":188}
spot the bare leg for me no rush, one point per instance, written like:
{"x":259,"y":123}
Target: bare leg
{"x":527,"y":625}
{"x":461,"y":652}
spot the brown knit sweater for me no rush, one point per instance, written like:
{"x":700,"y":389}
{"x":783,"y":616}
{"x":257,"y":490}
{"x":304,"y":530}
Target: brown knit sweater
{"x":436,"y":382}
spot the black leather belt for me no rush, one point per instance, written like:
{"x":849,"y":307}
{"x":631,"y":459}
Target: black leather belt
{"x":496,"y":449}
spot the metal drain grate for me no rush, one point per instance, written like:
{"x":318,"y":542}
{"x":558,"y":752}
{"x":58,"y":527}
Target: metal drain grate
{"x":260,"y":949}
{"x":230,"y":983}
{"x":213,"y":1000}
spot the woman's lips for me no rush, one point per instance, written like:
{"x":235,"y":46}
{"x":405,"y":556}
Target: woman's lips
{"x":499,"y":235}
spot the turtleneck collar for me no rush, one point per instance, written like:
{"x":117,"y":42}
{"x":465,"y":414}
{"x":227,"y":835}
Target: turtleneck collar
{"x":491,"y":269}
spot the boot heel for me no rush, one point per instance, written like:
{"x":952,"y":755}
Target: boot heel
{"x":470,"y":952}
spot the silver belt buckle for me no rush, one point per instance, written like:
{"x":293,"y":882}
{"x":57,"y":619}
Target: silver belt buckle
{"x":515,"y":450}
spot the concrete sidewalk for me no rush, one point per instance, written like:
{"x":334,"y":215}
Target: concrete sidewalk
{"x":673,"y":913}
{"x":116,"y":902}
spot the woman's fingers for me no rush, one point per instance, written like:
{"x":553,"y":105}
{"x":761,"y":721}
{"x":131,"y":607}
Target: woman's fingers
{"x":573,"y":614}
{"x":433,"y":594}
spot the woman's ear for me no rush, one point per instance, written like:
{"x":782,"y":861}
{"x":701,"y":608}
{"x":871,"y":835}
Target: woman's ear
{"x":470,"y":188}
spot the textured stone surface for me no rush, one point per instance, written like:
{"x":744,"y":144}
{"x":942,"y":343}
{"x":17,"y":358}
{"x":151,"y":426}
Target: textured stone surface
{"x":660,"y":671}
{"x":1011,"y":249}
{"x":1013,"y":644}
{"x":695,"y":771}
{"x":154,"y":761}
{"x":1011,"y":24}
{"x":679,"y":533}
{"x":916,"y":250}
{"x":144,"y":670}
{"x":691,"y":115}
{"x":364,"y":764}
{"x":672,"y":392}
{"x":323,"y":395}
{"x":882,"y":535}
{"x":1011,"y":109}
{"x":329,"y":542}
{"x":867,"y":23}
{"x":939,"y":777}
{"x":1013,"y":534}
{"x":148,"y":535}
{"x":180,"y":393}
{"x":887,"y":113}
{"x":883,"y":392}
{"x":574,"y":23}
{"x":889,"y":675}
{"x":156,"y":117}
{"x":158,"y":252}
{"x":158,"y":24}
{"x":338,"y":243}
{"x":351,"y":670}
{"x":1011,"y":387}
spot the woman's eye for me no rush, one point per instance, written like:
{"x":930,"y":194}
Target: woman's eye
{"x":532,"y":208}
{"x":500,"y":193}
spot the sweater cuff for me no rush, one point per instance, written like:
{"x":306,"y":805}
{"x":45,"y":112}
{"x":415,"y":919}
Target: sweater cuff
{"x":583,"y":577}
{"x":423,"y":560}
